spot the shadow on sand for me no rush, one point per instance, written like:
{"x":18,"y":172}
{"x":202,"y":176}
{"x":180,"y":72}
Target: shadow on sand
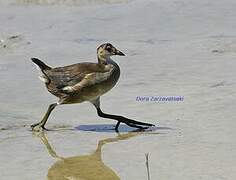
{"x":111,"y":128}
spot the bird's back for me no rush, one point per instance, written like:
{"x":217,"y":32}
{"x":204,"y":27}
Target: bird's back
{"x":69,"y":75}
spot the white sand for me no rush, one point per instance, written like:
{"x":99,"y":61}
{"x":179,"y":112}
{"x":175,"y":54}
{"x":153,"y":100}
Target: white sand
{"x":174,"y":48}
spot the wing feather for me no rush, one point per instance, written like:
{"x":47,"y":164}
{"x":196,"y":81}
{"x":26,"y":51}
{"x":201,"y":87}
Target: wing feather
{"x":82,"y":74}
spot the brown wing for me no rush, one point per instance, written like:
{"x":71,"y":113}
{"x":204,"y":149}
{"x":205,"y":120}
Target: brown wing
{"x":70,"y":75}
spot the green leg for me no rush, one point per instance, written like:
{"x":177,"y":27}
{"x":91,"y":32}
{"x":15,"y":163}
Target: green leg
{"x":40,"y":126}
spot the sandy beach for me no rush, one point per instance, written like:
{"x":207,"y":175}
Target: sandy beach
{"x":181,"y":48}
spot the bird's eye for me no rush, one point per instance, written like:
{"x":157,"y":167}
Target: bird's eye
{"x":109,"y":49}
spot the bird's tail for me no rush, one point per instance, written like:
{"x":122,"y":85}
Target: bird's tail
{"x":40,"y":64}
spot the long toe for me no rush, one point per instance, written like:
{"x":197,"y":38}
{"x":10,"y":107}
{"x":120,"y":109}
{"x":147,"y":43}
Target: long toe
{"x":137,"y":126}
{"x":148,"y":124}
{"x":45,"y":129}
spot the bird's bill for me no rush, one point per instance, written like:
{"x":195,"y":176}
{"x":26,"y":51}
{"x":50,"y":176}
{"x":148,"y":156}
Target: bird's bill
{"x":119,"y":53}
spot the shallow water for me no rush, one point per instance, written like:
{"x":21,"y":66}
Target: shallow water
{"x":173,"y":48}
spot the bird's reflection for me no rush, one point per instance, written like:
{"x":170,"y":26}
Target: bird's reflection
{"x":85,"y":167}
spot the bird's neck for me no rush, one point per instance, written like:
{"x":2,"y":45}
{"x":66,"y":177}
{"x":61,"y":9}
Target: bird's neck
{"x":102,"y":59}
{"x":105,"y":60}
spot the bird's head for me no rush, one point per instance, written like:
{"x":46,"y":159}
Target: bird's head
{"x":105,"y":51}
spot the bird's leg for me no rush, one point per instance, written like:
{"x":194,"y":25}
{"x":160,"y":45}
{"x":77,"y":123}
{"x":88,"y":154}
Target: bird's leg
{"x":40,"y":126}
{"x":129,"y":122}
{"x":120,"y":119}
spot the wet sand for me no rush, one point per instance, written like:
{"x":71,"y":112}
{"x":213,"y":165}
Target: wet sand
{"x":174,"y":48}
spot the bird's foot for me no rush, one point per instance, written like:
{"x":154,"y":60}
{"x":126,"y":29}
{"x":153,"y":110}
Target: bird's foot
{"x":134,"y":125}
{"x":38,"y":127}
{"x":140,"y":127}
